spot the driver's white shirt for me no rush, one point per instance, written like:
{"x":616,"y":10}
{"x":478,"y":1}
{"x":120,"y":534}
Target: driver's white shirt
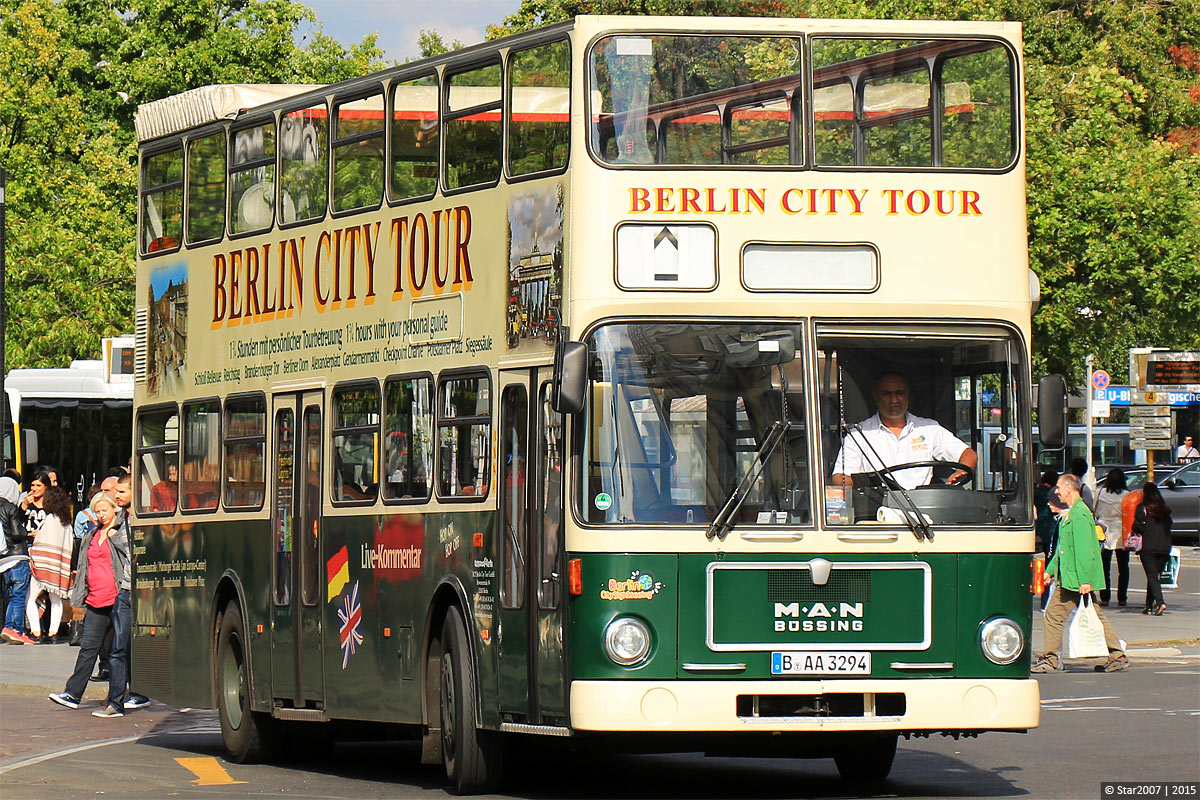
{"x":921,"y":439}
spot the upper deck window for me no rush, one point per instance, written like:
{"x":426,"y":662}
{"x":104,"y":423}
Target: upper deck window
{"x":206,"y":188}
{"x":303,"y":163}
{"x":252,"y":179}
{"x":539,"y":112}
{"x":358,"y":153}
{"x":695,"y":99}
{"x":162,"y":201}
{"x":903,"y":103}
{"x":473,"y":125}
{"x":414,"y":137}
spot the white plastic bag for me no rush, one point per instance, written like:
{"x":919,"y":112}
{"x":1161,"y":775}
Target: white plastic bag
{"x":1169,"y":578}
{"x":1085,"y":634}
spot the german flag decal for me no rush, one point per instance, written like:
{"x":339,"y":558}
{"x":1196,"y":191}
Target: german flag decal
{"x":338,"y":571}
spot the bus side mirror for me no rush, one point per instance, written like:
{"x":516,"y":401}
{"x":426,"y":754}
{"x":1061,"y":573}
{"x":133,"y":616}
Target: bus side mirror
{"x":1052,"y":412}
{"x":570,"y":377}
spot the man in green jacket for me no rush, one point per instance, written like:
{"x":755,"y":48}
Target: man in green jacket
{"x":1076,"y":569}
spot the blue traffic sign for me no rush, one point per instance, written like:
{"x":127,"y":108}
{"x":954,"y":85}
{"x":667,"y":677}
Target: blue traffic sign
{"x":1123,"y":396}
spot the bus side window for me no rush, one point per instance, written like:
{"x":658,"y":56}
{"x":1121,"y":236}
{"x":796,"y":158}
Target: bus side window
{"x":157,"y":461}
{"x":355,"y":474}
{"x":414,"y":136}
{"x":473,"y":126}
{"x":206,"y":188}
{"x":408,"y":437}
{"x":162,"y":201}
{"x":303,"y":160}
{"x":201,"y":455}
{"x":252,"y":179}
{"x":539,"y":112}
{"x":464,"y":436}
{"x":358,"y":152}
{"x":245,"y":451}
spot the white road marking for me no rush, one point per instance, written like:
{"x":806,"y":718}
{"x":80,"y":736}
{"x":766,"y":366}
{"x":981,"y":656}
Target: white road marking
{"x":1079,"y":699}
{"x":29,"y":762}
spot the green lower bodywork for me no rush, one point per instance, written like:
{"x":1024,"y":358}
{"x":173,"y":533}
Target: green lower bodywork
{"x":187,"y":574}
{"x":966,"y":591}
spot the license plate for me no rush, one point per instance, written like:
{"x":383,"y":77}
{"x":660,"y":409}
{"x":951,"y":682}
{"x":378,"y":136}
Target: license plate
{"x":820,"y":663}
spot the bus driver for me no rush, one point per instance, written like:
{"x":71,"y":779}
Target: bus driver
{"x":893,"y":436}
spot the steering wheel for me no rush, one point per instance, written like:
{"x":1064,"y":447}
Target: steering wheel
{"x":962,"y":480}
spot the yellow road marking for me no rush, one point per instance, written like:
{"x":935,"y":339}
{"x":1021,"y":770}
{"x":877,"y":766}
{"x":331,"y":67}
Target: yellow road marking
{"x":207,"y":771}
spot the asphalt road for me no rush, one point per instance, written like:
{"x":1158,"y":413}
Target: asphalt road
{"x":1140,"y":724}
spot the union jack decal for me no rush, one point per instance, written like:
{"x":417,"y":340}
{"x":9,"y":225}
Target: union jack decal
{"x":350,"y":624}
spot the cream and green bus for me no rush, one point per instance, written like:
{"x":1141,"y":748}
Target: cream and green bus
{"x":501,"y":395}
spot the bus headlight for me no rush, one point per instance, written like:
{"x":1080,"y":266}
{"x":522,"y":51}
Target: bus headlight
{"x":1002,"y":640}
{"x":627,"y":641}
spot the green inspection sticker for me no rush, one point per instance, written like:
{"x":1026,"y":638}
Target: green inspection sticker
{"x":603,"y":501}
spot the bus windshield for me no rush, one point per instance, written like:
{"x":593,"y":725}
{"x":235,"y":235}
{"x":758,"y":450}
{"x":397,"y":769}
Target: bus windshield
{"x":945,"y":384}
{"x":676,"y":418}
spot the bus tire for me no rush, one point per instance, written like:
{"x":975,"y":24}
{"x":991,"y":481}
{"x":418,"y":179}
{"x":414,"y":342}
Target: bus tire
{"x":867,"y":759}
{"x":249,"y":736}
{"x":472,"y":757}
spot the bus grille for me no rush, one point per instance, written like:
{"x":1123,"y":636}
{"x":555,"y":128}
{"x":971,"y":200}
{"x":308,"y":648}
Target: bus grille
{"x":796,"y":586}
{"x":154,"y":669}
{"x":776,"y":706}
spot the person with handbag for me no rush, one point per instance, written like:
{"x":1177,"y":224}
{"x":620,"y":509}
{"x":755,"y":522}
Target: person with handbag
{"x":1152,"y":523}
{"x":1076,"y":570}
{"x":1109,"y":515}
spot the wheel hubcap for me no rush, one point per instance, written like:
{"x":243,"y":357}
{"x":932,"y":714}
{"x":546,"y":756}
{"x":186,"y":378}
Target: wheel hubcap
{"x":233,"y":683}
{"x":448,"y":717}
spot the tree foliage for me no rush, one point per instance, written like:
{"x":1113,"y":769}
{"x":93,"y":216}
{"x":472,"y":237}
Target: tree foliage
{"x":1113,"y":156}
{"x":72,"y":73}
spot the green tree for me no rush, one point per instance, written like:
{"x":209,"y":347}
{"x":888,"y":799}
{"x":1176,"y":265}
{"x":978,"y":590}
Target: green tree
{"x":72,"y":74}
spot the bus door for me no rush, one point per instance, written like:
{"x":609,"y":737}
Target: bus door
{"x":296,"y":650}
{"x":531,"y":568}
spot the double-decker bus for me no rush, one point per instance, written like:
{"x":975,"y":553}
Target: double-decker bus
{"x":499,"y":394}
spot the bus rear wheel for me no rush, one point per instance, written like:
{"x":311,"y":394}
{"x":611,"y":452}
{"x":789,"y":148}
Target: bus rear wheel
{"x":472,"y":757}
{"x":249,"y":736}
{"x":867,"y":759}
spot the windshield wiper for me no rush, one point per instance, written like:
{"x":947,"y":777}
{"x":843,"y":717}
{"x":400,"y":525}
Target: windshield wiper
{"x":721,"y":526}
{"x":912,"y":515}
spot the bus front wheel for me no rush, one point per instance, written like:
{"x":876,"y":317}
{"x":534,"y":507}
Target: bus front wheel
{"x":249,"y":736}
{"x":472,"y":756}
{"x":867,"y":759}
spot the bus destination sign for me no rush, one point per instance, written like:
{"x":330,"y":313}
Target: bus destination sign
{"x":1173,"y":370}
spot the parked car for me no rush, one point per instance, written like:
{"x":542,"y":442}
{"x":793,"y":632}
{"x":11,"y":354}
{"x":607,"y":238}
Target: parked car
{"x":1181,"y":489}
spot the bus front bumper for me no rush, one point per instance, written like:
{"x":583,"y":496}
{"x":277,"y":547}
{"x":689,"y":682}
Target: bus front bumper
{"x":949,"y":704}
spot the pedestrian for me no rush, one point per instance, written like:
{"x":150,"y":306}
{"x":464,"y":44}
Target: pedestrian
{"x":109,"y":484}
{"x":14,"y":563}
{"x":123,"y":632}
{"x":1047,"y":522}
{"x":1076,"y":571}
{"x":101,"y":569}
{"x":50,"y":564}
{"x":33,"y":504}
{"x":1108,"y":514}
{"x":1187,"y":451}
{"x":1153,"y":521}
{"x":1079,"y":468}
